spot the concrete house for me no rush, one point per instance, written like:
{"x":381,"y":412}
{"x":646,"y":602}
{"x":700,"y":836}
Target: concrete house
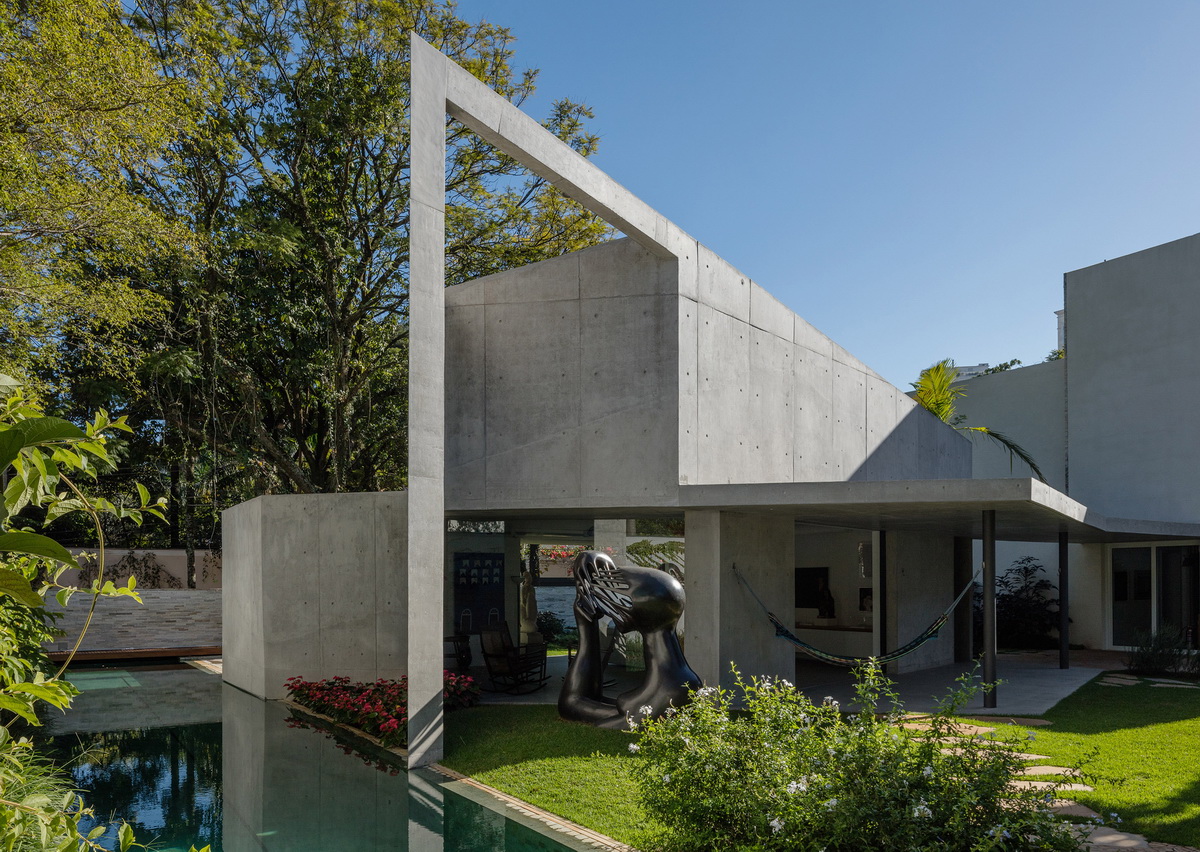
{"x":676,"y":386}
{"x":1113,"y":424}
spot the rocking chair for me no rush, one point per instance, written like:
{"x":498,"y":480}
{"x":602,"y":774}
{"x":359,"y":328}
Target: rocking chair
{"x":513,"y":669}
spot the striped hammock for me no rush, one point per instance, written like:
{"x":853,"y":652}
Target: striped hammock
{"x":783,"y":632}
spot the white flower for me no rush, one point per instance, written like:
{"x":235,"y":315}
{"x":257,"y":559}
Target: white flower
{"x":831,"y":804}
{"x":800,"y":786}
{"x":705,"y":691}
{"x":927,"y":771}
{"x":776,"y":825}
{"x":922,"y":810}
{"x":633,"y":747}
{"x":666,"y":779}
{"x":646,"y":710}
{"x":786,"y":682}
{"x":1032,"y":735}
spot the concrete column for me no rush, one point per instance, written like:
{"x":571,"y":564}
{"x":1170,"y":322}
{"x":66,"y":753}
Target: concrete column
{"x":702,"y":542}
{"x":611,"y":535}
{"x":426,"y":402}
{"x":1064,"y":607}
{"x":725,"y":624}
{"x":989,"y":605}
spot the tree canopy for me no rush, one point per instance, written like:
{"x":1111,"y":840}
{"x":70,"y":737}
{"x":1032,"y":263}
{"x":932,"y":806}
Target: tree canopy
{"x":82,"y":109}
{"x":286,"y":350}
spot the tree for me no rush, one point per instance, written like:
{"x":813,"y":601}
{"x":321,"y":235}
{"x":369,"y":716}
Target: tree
{"x":82,"y":109}
{"x":936,"y":391}
{"x":286,"y":350}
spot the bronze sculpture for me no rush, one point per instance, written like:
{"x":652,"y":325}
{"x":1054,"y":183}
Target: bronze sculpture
{"x":645,"y":600}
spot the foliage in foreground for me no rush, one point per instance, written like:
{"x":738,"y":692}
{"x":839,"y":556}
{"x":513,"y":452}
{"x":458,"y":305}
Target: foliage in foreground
{"x":380,"y":708}
{"x":47,"y":462}
{"x":790,"y":774}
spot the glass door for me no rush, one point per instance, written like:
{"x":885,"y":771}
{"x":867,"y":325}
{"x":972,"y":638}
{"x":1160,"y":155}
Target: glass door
{"x":1132,"y":600}
{"x":1179,"y":589}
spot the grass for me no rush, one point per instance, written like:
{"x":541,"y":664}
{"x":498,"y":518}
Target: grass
{"x":1140,"y":744}
{"x":570,"y":769}
{"x":1144,"y":744}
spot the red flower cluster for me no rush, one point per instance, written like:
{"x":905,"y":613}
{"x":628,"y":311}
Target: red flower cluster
{"x":379,"y":708}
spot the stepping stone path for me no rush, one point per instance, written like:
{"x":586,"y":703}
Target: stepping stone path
{"x":1100,"y":839}
{"x":1132,"y":680}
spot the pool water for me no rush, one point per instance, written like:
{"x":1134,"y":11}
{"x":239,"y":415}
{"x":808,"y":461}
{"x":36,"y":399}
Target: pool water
{"x":236,"y":776}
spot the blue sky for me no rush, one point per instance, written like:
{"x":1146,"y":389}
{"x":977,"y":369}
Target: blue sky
{"x":913,"y":178}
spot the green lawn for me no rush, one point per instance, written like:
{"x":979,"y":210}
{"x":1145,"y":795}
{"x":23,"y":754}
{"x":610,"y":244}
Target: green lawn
{"x":1146,"y":742}
{"x":573,"y":770}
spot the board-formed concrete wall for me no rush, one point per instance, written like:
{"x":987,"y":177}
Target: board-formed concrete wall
{"x":1133,"y":334}
{"x":609,"y":376}
{"x":315,"y":586}
{"x":563,"y":383}
{"x":775,"y":400}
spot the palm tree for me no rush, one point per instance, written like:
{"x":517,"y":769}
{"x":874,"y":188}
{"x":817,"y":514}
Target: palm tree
{"x":936,"y":391}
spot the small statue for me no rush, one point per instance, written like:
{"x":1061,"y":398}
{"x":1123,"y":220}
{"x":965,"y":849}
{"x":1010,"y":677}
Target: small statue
{"x":825,"y":603}
{"x":645,"y":600}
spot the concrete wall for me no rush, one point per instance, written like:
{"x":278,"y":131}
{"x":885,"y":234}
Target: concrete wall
{"x":1027,"y":404}
{"x":564,"y":378}
{"x":171,"y":563}
{"x":1133,"y":335}
{"x":724,"y":624}
{"x":765,"y":397}
{"x":661,"y":373}
{"x":920,"y":586}
{"x":315,"y":585}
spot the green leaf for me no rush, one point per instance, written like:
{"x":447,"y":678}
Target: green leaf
{"x":41,"y":430}
{"x":35,"y":545}
{"x":23,"y":707}
{"x":16,"y":586}
{"x":125,"y":837}
{"x":11,"y":442}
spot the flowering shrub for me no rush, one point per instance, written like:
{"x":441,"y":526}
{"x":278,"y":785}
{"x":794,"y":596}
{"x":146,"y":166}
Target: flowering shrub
{"x":789,"y":774}
{"x":379,"y":708}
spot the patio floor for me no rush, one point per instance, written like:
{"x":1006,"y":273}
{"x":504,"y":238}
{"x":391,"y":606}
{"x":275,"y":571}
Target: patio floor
{"x":1031,"y":683}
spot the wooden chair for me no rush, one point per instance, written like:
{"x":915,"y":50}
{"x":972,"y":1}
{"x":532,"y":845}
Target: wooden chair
{"x":513,"y":669}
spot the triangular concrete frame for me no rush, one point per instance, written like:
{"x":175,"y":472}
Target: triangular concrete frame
{"x":440,"y":86}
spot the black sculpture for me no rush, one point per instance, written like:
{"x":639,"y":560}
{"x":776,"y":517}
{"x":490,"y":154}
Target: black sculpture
{"x":647,"y":600}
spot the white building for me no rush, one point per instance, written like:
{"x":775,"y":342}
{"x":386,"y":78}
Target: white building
{"x":1113,"y":425}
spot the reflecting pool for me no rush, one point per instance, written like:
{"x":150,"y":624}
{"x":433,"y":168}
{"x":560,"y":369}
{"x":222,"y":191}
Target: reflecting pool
{"x":187,"y":759}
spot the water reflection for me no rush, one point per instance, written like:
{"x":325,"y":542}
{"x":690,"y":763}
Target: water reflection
{"x":251,"y":783}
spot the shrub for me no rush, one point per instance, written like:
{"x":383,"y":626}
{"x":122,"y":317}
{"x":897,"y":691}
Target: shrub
{"x":380,"y":708}
{"x":1164,"y":652}
{"x":1025,"y":615}
{"x":550,"y":626}
{"x":789,"y":774}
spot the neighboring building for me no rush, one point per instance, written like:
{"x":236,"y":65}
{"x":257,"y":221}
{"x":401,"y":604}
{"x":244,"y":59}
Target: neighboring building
{"x":1113,"y":425}
{"x":972,"y":371}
